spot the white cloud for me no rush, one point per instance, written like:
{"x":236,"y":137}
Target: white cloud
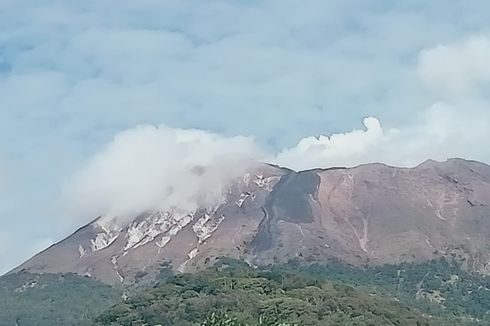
{"x":149,"y":167}
{"x":440,"y":132}
{"x":335,"y":150}
{"x":455,"y":69}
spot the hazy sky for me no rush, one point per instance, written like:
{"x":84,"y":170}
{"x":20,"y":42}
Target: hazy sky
{"x":81,"y":81}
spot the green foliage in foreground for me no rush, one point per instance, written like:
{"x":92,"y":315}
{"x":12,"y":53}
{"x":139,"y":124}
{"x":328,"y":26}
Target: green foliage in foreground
{"x":438,"y":287}
{"x":234,"y":294}
{"x":52,"y":299}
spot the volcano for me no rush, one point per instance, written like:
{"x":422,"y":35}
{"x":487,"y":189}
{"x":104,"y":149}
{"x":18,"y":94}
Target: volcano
{"x":371,"y":214}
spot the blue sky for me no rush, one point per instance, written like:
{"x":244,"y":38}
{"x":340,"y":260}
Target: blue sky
{"x":75,"y":73}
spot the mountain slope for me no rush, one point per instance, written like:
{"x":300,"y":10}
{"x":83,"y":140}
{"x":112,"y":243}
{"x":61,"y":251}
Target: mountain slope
{"x":371,"y":214}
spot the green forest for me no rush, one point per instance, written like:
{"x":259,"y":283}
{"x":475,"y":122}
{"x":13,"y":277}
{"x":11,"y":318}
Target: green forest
{"x":53,"y":299}
{"x":233,"y":293}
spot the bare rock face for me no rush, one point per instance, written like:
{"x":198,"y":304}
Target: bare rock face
{"x":370,"y":214}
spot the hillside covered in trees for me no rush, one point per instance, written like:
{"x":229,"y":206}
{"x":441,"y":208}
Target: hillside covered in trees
{"x":53,"y":299}
{"x":232,"y":293}
{"x":235,"y":294}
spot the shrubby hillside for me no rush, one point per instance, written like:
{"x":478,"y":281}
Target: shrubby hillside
{"x":232,"y":293}
{"x":438,"y":287}
{"x":52,"y":299}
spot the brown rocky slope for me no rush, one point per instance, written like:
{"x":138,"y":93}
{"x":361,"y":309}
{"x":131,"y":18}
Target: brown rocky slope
{"x":370,"y":214}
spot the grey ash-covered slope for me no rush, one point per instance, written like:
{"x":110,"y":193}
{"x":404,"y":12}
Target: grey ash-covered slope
{"x":370,"y":214}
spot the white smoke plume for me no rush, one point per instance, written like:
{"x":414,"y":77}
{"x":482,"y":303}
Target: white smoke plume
{"x":441,"y":132}
{"x":149,"y":168}
{"x":335,"y":150}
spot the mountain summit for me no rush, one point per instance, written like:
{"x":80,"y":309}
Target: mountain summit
{"x":369,"y":214}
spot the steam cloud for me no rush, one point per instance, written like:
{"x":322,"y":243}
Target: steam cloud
{"x":338,"y":149}
{"x":149,"y":167}
{"x":441,"y":132}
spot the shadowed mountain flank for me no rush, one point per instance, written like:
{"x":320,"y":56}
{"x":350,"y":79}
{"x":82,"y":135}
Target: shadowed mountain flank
{"x":290,"y":200}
